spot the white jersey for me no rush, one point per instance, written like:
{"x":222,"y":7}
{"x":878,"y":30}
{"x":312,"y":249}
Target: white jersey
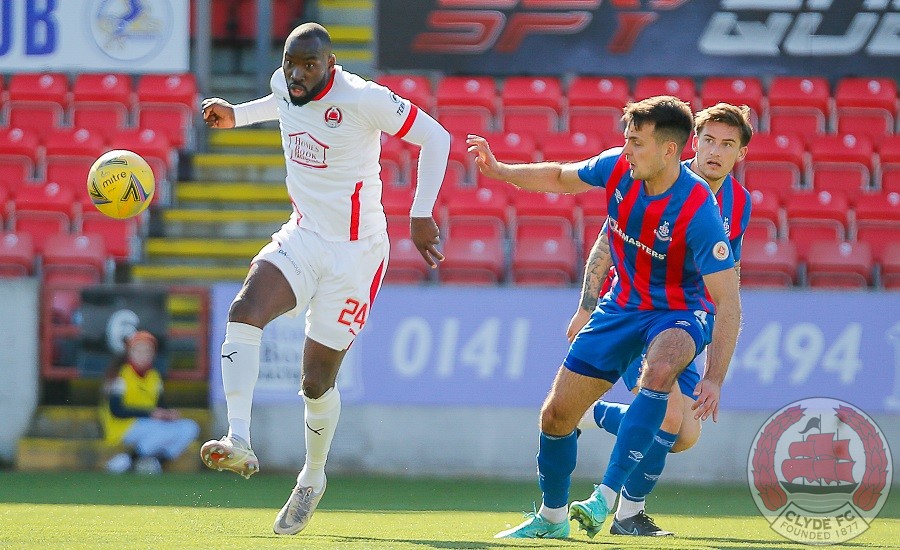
{"x":332,"y":147}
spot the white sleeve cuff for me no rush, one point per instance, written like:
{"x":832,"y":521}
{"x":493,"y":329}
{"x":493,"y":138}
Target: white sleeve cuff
{"x":258,"y":110}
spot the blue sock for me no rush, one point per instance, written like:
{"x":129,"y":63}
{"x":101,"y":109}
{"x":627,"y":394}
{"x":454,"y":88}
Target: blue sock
{"x":644,"y":477}
{"x":556,"y":461}
{"x":639,"y":425}
{"x":609,"y":415}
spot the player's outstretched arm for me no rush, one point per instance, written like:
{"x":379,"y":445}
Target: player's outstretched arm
{"x":547,"y":177}
{"x":723,"y":289}
{"x":426,"y":236}
{"x":596,"y":269}
{"x":217,"y":113}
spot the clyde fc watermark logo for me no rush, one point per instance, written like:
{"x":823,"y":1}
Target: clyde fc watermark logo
{"x":820,"y":471}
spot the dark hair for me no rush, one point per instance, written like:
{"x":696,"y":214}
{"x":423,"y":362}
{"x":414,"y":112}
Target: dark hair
{"x":311,"y":30}
{"x":672,"y":118}
{"x":726,"y":113}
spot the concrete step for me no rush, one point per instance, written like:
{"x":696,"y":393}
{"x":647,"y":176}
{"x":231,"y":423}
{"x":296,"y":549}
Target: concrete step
{"x":189,"y":274}
{"x":213,"y":249}
{"x":38,"y":454}
{"x":222,"y":223}
{"x":241,"y":137}
{"x":202,"y":193}
{"x":83,"y":422}
{"x":239,"y":167}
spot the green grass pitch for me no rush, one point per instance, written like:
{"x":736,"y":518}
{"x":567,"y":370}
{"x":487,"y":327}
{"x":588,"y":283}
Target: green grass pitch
{"x":219,"y":511}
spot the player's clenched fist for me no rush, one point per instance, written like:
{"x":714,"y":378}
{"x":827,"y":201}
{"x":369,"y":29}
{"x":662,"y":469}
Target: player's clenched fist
{"x":217,"y":113}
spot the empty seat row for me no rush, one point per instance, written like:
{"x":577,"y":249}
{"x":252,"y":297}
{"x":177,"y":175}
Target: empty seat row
{"x":105,"y":103}
{"x":802,"y":105}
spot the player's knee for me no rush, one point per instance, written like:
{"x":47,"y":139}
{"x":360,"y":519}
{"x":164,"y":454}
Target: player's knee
{"x":658,"y":376}
{"x":555,"y":421}
{"x":245,"y":311}
{"x":687,"y":437}
{"x":314,"y":386}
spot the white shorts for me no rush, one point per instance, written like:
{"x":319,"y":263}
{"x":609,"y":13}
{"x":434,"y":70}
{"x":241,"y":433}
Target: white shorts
{"x":338,"y":280}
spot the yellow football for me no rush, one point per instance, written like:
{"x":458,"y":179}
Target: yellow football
{"x":121,"y":184}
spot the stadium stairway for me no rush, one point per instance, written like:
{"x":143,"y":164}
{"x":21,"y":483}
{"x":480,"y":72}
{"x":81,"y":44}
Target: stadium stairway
{"x":223,"y":214}
{"x":351,"y":24}
{"x":68,"y":438}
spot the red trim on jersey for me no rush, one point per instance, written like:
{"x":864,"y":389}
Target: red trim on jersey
{"x":297,"y":210}
{"x":678,"y":249}
{"x":327,"y":87}
{"x":407,"y":124}
{"x":643,"y":264}
{"x":739,"y":204}
{"x":354,"y":212}
{"x":615,"y":177}
{"x":625,"y":207}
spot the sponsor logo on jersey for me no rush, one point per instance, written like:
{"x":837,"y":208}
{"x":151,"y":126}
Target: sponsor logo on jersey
{"x":662,"y":232}
{"x":727,"y":225}
{"x":614,"y":226}
{"x":307,"y":150}
{"x":619,"y":197}
{"x":333,"y":117}
{"x":395,"y":98}
{"x":720,"y":250}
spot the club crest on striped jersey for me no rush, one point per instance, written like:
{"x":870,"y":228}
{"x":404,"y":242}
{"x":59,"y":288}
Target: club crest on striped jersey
{"x":333,"y":117}
{"x":307,"y":150}
{"x":662,"y":232}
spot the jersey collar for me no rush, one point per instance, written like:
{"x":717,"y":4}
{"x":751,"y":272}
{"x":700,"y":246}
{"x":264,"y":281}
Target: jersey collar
{"x":327,"y":87}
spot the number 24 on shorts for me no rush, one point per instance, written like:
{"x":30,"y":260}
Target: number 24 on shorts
{"x":354,"y":314}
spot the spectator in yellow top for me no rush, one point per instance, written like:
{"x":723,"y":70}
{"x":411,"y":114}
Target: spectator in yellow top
{"x":132,"y":414}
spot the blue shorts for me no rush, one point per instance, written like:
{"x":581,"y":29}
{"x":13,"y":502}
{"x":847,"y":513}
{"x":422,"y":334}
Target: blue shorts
{"x":687,"y":380}
{"x":614,"y":339}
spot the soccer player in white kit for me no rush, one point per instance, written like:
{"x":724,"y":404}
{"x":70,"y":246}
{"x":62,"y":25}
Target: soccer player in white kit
{"x":332,"y":253}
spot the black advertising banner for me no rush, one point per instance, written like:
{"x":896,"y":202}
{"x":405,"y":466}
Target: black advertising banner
{"x":110,"y":314}
{"x":831,"y":38}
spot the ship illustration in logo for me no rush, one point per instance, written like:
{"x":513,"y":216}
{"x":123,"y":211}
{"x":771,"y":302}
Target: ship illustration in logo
{"x":821,"y":463}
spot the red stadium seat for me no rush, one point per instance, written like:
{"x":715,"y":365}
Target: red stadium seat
{"x":40,"y":225}
{"x":552,"y":206}
{"x":839,"y":265}
{"x":66,"y":254}
{"x":512,"y":147}
{"x":394,"y":159}
{"x":544,"y":253}
{"x":166,"y":104}
{"x":14,"y":172}
{"x":416,"y":88}
{"x":768,"y":263}
{"x":406,"y":264}
{"x":774,"y":163}
{"x":571,"y":146}
{"x":21,"y":144}
{"x":118,"y":235}
{"x":766,"y":210}
{"x":153,"y":146}
{"x":737,"y":91}
{"x":396,"y":199}
{"x":596,"y":103}
{"x":70,"y":173}
{"x":466,"y":104}
{"x":590,"y":231}
{"x":532,"y":104}
{"x":866,"y":106}
{"x":592,"y":203}
{"x":37,"y":101}
{"x":101,"y":102}
{"x":474,"y":252}
{"x":16,"y":255}
{"x":488,"y":201}
{"x":842,"y":163}
{"x":889,"y":156}
{"x":890,"y":266}
{"x":878,"y":221}
{"x":761,"y":230}
{"x":71,"y":143}
{"x":799,"y":105}
{"x":816,"y":216}
{"x":681,"y":87}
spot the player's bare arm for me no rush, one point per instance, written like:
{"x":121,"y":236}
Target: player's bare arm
{"x":426,"y":236}
{"x":217,"y":113}
{"x":596,"y":269}
{"x":723,"y":288}
{"x":547,"y":177}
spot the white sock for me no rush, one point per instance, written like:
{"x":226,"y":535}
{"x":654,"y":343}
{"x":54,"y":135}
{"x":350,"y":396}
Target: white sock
{"x":321,"y":419}
{"x":240,"y":369}
{"x":608,"y":495}
{"x":628,"y":508}
{"x":554,"y":515}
